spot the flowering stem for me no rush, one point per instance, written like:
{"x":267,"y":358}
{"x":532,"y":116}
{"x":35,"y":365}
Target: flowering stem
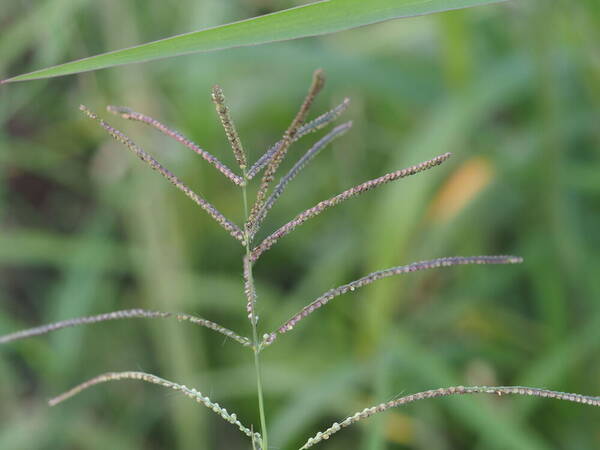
{"x":253,"y":319}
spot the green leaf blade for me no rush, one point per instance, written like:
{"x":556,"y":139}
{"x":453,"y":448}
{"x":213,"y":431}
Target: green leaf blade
{"x":325,"y":17}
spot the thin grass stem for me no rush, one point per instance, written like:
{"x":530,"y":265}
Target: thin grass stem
{"x":232,"y":228}
{"x":128,"y":113}
{"x":259,"y":390}
{"x":445,"y":392}
{"x":268,"y":242}
{"x":250,"y":292}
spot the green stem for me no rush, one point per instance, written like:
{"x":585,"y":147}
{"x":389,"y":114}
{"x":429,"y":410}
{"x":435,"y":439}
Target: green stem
{"x":256,"y":342}
{"x":261,"y":404}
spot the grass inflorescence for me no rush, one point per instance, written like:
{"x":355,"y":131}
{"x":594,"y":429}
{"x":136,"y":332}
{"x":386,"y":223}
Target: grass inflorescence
{"x":255,"y":214}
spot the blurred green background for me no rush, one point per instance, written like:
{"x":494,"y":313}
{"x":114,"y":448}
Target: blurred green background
{"x":512,"y":89}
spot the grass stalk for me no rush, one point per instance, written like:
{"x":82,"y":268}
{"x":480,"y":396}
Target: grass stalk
{"x":253,"y":320}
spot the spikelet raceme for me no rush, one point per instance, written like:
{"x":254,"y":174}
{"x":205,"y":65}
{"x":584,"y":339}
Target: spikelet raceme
{"x":270,"y":162}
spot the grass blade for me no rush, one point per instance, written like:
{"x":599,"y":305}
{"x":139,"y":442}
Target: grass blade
{"x":309,"y":20}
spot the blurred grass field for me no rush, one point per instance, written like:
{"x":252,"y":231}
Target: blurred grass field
{"x":513,"y":90}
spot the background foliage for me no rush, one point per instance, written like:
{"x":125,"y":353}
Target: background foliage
{"x":513,"y":90}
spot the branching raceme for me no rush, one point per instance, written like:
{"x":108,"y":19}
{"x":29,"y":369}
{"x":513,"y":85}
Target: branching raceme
{"x":270,"y":162}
